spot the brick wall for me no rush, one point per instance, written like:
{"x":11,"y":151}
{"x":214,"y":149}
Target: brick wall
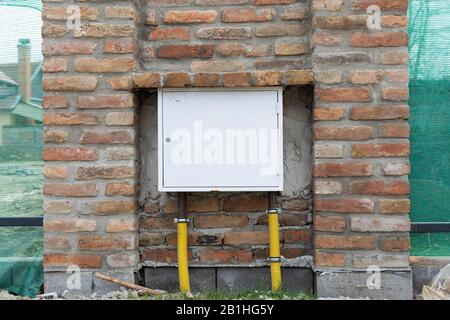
{"x":95,"y":78}
{"x":361,"y":135}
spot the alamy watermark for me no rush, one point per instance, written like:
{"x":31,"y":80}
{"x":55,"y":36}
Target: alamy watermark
{"x":234,"y":146}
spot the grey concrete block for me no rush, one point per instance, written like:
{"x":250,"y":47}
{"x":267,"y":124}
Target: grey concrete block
{"x":60,"y":282}
{"x":423,"y":275}
{"x":394,"y":285}
{"x":101,"y":287}
{"x":244,"y":279}
{"x":166,"y":278}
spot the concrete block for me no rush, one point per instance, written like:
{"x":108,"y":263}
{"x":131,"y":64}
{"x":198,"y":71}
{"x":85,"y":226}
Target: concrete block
{"x":394,"y":285}
{"x":423,"y":275}
{"x":244,"y":279}
{"x":166,"y":278}
{"x":60,"y":282}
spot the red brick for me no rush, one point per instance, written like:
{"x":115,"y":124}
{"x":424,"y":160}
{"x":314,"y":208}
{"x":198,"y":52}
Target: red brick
{"x":121,"y":189}
{"x":70,"y":225}
{"x":344,"y":242}
{"x":70,"y":190}
{"x":68,"y":48}
{"x":380,"y":187}
{"x":395,"y":94}
{"x":294,"y":13}
{"x":323,"y":259}
{"x":245,"y":203}
{"x":271,"y":2}
{"x":295,"y":205}
{"x":158,"y":223}
{"x":51,"y":30}
{"x":327,"y":5}
{"x":391,"y":57}
{"x":329,"y":224}
{"x":380,"y":113}
{"x":69,"y":119}
{"x":224,"y":33}
{"x":55,"y":136}
{"x":342,"y":169}
{"x":177,"y":80}
{"x":190,"y":16}
{"x":394,"y":206}
{"x":81,"y":260}
{"x":104,"y":65}
{"x":225,"y":256}
{"x":179,"y":33}
{"x":115,"y":242}
{"x":394,"y":21}
{"x":119,"y":46}
{"x":220,"y":221}
{"x":54,"y":65}
{"x":53,"y":172}
{"x":395,"y":169}
{"x":55,"y":102}
{"x":344,"y":205}
{"x":69,"y":83}
{"x":162,"y":255}
{"x":340,"y":22}
{"x":114,"y":207}
{"x":207,"y":204}
{"x":299,"y":77}
{"x":326,"y":39}
{"x":290,"y":48}
{"x":107,"y":137}
{"x":382,"y":4}
{"x":297,"y":236}
{"x":106,"y":172}
{"x":147,"y":80}
{"x":344,"y":94}
{"x":280,"y":30}
{"x":206,"y":80}
{"x":62,"y":13}
{"x":121,"y":83}
{"x":267,"y":78}
{"x":246,"y":237}
{"x":237,"y":79}
{"x":397,"y":75}
{"x":379,"y":39}
{"x":395,"y":244}
{"x":343,"y":133}
{"x":69,"y":154}
{"x":121,"y":12}
{"x":380,"y":150}
{"x":56,"y":242}
{"x":394,"y":130}
{"x":105,"y":101}
{"x":101,"y":30}
{"x":121,"y":225}
{"x":247,"y":15}
{"x":119,"y":118}
{"x":185,"y":51}
{"x":328,"y":114}
{"x":365,"y":76}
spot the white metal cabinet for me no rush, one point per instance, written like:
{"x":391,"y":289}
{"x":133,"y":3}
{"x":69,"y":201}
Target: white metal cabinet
{"x":220,"y":139}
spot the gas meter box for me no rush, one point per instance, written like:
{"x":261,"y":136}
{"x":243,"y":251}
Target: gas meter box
{"x":220,"y":139}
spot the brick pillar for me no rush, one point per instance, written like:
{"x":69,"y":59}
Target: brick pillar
{"x":90,"y":150}
{"x":361,"y":148}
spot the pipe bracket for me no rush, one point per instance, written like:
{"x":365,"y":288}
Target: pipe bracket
{"x":181,"y":220}
{"x":273,"y":211}
{"x":275,"y":259}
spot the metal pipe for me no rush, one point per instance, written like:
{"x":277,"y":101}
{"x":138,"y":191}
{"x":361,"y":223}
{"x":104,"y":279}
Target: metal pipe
{"x":182,"y":248}
{"x":274,"y":238}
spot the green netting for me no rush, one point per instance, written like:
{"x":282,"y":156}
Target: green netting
{"x":34,"y":4}
{"x":21,"y":143}
{"x":429,"y":47}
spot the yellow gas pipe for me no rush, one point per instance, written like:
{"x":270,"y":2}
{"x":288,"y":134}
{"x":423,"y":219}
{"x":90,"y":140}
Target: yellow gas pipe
{"x":274,"y":238}
{"x":182,"y":248}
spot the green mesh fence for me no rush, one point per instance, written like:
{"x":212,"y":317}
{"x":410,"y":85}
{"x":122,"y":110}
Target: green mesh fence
{"x":21,"y":143}
{"x":429,"y":32}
